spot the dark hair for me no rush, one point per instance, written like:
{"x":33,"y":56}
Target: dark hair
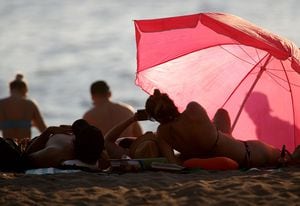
{"x":126,"y":143}
{"x":99,"y":87}
{"x":154,"y":107}
{"x":88,"y":143}
{"x":18,"y":84}
{"x":78,"y":125}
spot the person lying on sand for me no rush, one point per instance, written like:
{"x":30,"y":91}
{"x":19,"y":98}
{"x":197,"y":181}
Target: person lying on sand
{"x":194,"y":135}
{"x":55,"y":145}
{"x":118,"y":147}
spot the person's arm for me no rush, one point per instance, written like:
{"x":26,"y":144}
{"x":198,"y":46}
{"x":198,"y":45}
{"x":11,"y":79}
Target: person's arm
{"x":39,"y":142}
{"x":103,"y":161}
{"x":38,"y":120}
{"x":114,"y":151}
{"x":166,"y":150}
{"x":47,"y":157}
{"x":137,"y":129}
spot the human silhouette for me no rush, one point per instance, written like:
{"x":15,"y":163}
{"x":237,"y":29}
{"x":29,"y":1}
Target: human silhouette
{"x":18,"y":113}
{"x":269,"y":128}
{"x":105,"y":114}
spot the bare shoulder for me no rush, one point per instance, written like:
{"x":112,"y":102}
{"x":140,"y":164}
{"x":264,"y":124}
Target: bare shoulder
{"x":194,"y":107}
{"x":163,"y":131}
{"x":61,"y":140}
{"x":32,"y":103}
{"x":123,"y":107}
{"x":88,"y":113}
{"x":194,"y":110}
{"x":1,"y":102}
{"x":4,"y":101}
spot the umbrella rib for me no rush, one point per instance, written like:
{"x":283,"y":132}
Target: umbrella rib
{"x":242,"y":81}
{"x":263,"y":68}
{"x":248,"y":54}
{"x":271,"y":75}
{"x":238,"y":56}
{"x":270,"y":69}
{"x":182,"y":55}
{"x":257,"y":54}
{"x":292,"y":100}
{"x":274,"y":79}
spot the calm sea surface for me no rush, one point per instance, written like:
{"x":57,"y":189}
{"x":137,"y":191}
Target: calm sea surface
{"x":62,"y":46}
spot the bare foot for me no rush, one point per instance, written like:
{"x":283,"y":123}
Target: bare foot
{"x":222,"y":121}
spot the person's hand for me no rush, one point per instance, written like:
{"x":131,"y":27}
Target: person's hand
{"x":66,"y":126}
{"x":60,"y":130}
{"x":141,"y":115}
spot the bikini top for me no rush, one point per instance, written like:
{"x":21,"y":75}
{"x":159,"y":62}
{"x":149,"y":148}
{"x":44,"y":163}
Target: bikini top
{"x":12,"y":124}
{"x":8,"y":123}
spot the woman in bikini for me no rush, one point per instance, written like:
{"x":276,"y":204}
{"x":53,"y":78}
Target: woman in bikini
{"x":194,"y":135}
{"x":143,"y":146}
{"x":80,"y":141}
{"x":18,"y":114}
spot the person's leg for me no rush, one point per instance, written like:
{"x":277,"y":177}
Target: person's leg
{"x":222,"y":121}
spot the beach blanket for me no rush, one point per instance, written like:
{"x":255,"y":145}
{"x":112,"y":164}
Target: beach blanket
{"x":50,"y":170}
{"x":68,"y":166}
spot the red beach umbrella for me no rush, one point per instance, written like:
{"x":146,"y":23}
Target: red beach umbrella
{"x":221,"y":60}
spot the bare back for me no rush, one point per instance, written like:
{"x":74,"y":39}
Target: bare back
{"x":194,"y":135}
{"x":16,"y":117}
{"x":191,"y":134}
{"x":59,"y":148}
{"x":110,"y":114}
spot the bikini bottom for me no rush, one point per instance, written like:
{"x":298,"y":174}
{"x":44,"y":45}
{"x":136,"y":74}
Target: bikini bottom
{"x":247,"y":159}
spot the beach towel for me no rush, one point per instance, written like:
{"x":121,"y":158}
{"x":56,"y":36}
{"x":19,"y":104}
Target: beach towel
{"x":50,"y":170}
{"x":79,"y":164}
{"x":68,"y":166}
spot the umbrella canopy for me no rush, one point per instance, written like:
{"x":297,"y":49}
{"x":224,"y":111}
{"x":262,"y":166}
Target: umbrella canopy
{"x":220,"y":60}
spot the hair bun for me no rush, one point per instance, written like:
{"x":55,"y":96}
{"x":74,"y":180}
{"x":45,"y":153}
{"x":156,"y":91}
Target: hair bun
{"x":156,"y":93}
{"x":19,"y":77}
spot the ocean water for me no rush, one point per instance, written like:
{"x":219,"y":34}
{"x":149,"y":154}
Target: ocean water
{"x":62,"y":46}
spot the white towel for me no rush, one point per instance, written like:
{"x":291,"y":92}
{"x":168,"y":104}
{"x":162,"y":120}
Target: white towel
{"x":80,"y":164}
{"x":49,"y":170}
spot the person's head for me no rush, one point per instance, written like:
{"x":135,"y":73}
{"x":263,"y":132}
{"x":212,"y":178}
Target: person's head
{"x":88,"y":143}
{"x":262,"y":106}
{"x":78,"y":125}
{"x":160,"y":107}
{"x":100,"y":89}
{"x":18,"y":85}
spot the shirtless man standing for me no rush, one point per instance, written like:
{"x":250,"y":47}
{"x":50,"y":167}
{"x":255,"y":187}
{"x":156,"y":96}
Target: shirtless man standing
{"x":194,"y":135}
{"x":105,"y":114}
{"x":18,"y":113}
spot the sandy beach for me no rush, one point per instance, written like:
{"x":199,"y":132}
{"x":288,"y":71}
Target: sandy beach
{"x":254,"y":187}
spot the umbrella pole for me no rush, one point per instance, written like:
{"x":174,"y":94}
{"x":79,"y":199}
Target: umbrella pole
{"x":262,"y":69}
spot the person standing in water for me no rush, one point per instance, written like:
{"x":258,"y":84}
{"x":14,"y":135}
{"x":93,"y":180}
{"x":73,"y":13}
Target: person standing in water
{"x":18,"y":114}
{"x":105,"y":114}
